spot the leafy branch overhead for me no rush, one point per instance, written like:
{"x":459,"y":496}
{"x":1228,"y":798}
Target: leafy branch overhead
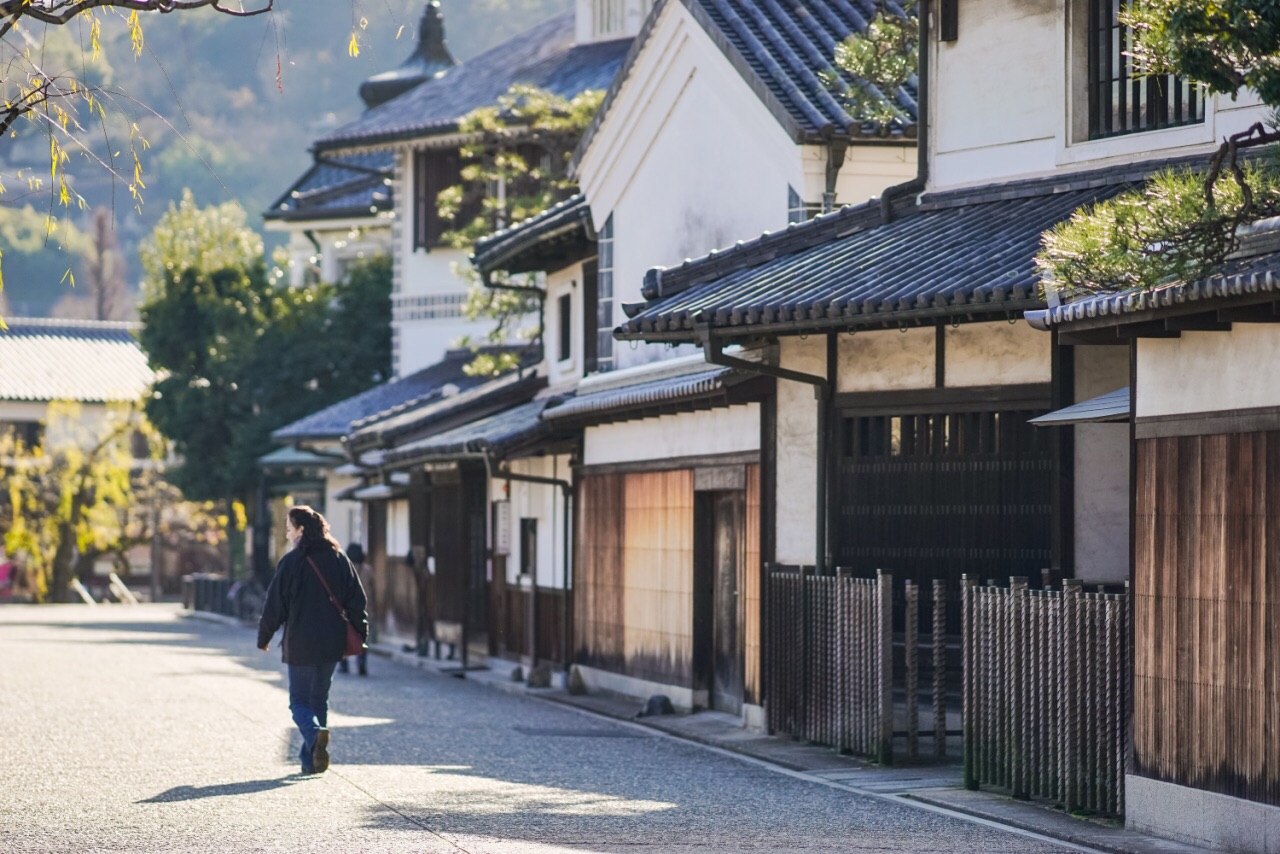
{"x":870,"y":67}
{"x":1182,"y":224}
{"x":514,"y":165}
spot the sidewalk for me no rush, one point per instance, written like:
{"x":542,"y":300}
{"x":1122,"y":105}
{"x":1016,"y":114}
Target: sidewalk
{"x":934,"y":785}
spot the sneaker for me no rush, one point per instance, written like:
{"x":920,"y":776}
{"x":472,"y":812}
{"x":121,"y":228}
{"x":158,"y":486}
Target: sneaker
{"x":304,"y":756}
{"x":320,"y":751}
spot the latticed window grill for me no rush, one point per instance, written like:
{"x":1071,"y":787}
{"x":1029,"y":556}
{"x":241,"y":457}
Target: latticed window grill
{"x":1120,"y":100}
{"x":604,"y":298}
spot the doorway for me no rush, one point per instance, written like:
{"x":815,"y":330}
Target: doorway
{"x":720,"y":525}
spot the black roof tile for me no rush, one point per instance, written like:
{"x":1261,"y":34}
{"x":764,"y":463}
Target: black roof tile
{"x":497,"y":434}
{"x":348,"y":184}
{"x":782,"y":48}
{"x":517,"y":249}
{"x":543,"y":56}
{"x":429,"y":384}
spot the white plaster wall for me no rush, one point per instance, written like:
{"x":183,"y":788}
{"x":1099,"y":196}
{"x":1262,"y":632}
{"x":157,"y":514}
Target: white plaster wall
{"x":996,"y":353}
{"x":560,"y":283}
{"x":417,"y":340}
{"x":1209,"y":371}
{"x":797,"y":451}
{"x":1101,"y":502}
{"x":729,"y":430}
{"x":346,"y":518}
{"x":23,"y":410}
{"x":1008,"y":101}
{"x":398,"y":527}
{"x":544,"y":503}
{"x":887,"y":360}
{"x":673,"y":199}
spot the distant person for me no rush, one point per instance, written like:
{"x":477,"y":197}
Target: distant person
{"x":314,"y":586}
{"x":355,"y":552}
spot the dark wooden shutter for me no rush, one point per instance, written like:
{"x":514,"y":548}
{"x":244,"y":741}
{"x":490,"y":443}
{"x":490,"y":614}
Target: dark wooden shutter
{"x":590,"y":303}
{"x":433,"y":171}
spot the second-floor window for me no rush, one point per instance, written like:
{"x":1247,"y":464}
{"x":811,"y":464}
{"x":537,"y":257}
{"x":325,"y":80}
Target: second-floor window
{"x":798,"y":210}
{"x":433,"y":171}
{"x":1121,"y":101}
{"x":604,"y":298}
{"x":566,"y":327}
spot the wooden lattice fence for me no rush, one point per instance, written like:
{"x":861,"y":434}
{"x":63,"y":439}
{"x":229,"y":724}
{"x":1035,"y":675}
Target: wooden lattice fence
{"x":1046,"y":693}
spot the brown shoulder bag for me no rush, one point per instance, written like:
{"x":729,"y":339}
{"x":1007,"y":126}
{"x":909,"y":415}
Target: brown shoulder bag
{"x":355,"y":643}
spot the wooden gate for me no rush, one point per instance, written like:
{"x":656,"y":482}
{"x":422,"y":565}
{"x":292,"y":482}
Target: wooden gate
{"x":939,"y":494}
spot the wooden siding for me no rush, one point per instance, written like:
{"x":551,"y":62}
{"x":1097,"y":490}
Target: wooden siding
{"x":597,"y":582}
{"x":751,"y":622}
{"x":1206,"y":681}
{"x":657,"y":576}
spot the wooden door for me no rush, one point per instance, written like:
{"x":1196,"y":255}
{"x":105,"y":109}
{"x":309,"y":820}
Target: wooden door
{"x":727,"y":516}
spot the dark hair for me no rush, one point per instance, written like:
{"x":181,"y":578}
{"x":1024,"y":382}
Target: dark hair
{"x":355,"y":552}
{"x":314,"y":527}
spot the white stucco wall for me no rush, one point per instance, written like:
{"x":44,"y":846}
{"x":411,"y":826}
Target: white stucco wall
{"x":688,"y":159}
{"x":398,"y":527}
{"x":797,"y":451}
{"x":886,"y":360}
{"x":564,"y":282}
{"x":1007,"y":100}
{"x":1101,"y":502}
{"x":1209,"y":371}
{"x":544,"y":503}
{"x":346,"y":518}
{"x":996,"y":353}
{"x":427,"y":296}
{"x":729,"y":430}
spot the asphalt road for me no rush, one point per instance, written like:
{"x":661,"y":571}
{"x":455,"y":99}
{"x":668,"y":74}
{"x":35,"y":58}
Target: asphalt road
{"x":133,"y":729}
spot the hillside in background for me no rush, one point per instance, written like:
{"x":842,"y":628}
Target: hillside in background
{"x":228,"y":107}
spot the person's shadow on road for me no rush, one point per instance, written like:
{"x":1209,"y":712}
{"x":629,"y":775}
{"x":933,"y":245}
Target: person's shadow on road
{"x":248,"y":787}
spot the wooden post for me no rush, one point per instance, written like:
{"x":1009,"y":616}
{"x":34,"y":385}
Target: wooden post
{"x":969,"y":701}
{"x":1071,"y":694}
{"x":1017,"y":687}
{"x":884,"y":668}
{"x":939,"y":669}
{"x":911,"y":653}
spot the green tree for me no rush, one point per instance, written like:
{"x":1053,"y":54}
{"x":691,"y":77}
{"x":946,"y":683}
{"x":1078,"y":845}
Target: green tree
{"x":869,"y":67}
{"x":68,"y":500}
{"x":514,"y":166}
{"x":240,"y":358}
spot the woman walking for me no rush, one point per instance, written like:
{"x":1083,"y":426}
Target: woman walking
{"x":313,"y":594}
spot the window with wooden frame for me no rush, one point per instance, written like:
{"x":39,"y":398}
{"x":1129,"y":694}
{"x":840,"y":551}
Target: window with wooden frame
{"x":1120,"y":101}
{"x":565,"y":332}
{"x":604,"y":298}
{"x":434,"y":170}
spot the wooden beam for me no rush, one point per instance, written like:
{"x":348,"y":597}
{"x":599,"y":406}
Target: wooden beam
{"x":1196,"y":323}
{"x":1104,"y":335}
{"x":1148,"y":329}
{"x":1262,"y":313}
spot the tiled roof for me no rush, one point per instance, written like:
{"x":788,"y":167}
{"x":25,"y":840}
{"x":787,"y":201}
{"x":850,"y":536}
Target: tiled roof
{"x":783,"y":48}
{"x":342,"y":185}
{"x":431,"y":383}
{"x":498,"y":433}
{"x":1112,"y":406}
{"x":544,"y":56}
{"x":403,"y":422}
{"x":517,"y":249}
{"x":642,"y":398}
{"x":1243,"y":279}
{"x":950,"y":256}
{"x":79,"y":360}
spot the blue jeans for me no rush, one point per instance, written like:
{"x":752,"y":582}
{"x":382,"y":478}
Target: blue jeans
{"x":309,"y":702}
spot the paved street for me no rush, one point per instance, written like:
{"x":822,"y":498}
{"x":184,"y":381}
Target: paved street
{"x":134,"y":729}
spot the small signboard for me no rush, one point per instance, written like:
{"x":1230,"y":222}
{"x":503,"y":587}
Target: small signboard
{"x":502,"y":527}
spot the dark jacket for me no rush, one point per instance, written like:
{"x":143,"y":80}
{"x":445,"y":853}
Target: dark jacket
{"x":314,"y":632}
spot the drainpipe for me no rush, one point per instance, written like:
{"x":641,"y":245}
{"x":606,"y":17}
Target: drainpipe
{"x":566,"y":489}
{"x":713,"y":352}
{"x":836,"y":150}
{"x":916,"y":184}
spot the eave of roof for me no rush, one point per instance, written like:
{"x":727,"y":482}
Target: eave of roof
{"x":780,"y":67}
{"x":517,"y":249}
{"x":351,"y":184}
{"x":686,"y":392}
{"x":1105,"y":408}
{"x":954,"y":256}
{"x":496,"y":434}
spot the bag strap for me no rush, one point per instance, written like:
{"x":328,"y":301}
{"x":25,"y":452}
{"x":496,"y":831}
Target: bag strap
{"x":341,"y":611}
